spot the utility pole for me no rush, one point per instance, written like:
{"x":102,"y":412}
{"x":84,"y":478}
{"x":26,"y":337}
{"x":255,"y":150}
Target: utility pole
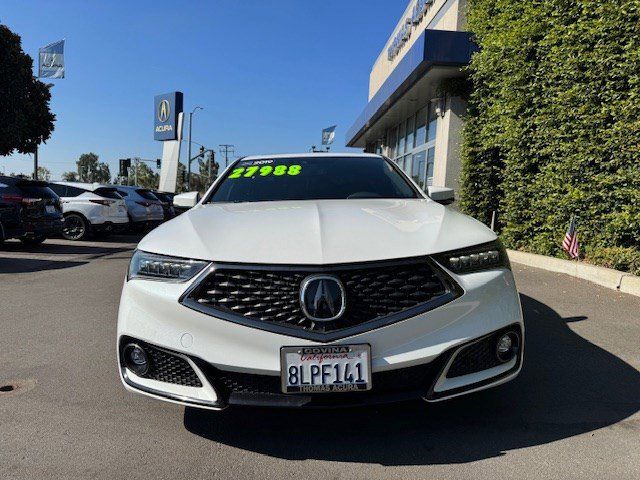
{"x":226,"y":149}
{"x":189,"y":149}
{"x":35,"y":163}
{"x":211,"y":160}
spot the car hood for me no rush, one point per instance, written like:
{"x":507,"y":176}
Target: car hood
{"x":315,"y":232}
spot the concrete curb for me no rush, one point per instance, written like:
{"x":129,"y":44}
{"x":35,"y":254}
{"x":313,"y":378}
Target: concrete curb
{"x":606,"y":277}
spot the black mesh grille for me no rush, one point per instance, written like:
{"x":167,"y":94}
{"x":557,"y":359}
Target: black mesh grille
{"x":478,"y":356}
{"x":417,"y":378}
{"x":169,"y":368}
{"x":272,"y":296}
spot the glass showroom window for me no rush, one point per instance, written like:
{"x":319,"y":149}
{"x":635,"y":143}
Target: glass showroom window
{"x":400,"y":149}
{"x":400,"y":162}
{"x":432,"y":124}
{"x":418,"y":164}
{"x":431,"y":153}
{"x":393,"y":139}
{"x":412,"y":145}
{"x":421,"y":127}
{"x":411,"y":126}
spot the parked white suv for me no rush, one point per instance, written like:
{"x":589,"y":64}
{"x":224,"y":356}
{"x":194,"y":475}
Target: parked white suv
{"x":90,"y":208}
{"x":318,"y":280}
{"x":145,"y":210}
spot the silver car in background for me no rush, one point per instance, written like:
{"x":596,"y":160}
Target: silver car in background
{"x":90,"y":208}
{"x":145,"y":210}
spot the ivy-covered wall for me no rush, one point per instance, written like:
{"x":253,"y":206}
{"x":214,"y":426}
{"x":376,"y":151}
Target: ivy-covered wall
{"x":554,"y":125}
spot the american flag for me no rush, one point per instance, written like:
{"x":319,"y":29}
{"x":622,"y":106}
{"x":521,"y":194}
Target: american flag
{"x":570,"y":243}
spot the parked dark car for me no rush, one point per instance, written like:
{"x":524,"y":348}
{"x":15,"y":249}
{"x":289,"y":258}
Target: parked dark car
{"x":167,"y":203}
{"x":29,"y":210}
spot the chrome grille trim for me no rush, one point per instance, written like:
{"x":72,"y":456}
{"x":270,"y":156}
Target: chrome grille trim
{"x":451,"y":291}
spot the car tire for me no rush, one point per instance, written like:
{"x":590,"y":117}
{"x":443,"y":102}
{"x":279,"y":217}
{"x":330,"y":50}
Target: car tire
{"x":33,"y":240}
{"x":75,"y":227}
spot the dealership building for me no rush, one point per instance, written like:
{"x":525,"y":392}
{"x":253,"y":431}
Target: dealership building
{"x":409,"y":117}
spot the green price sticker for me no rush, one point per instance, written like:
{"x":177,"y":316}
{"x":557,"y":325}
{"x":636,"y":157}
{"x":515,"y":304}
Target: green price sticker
{"x":265,"y":171}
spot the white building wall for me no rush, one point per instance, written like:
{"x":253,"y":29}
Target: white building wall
{"x":442,"y":15}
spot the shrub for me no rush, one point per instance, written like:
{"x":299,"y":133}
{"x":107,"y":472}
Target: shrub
{"x":620,"y":258}
{"x":553,"y":127}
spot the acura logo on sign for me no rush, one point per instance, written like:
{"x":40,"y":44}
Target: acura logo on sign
{"x":322,"y":298}
{"x":163,"y":111}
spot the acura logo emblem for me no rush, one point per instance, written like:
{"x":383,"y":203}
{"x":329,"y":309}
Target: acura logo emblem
{"x":163,"y":110}
{"x":322,"y":298}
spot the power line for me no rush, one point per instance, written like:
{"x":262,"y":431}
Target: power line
{"x":226,"y":149}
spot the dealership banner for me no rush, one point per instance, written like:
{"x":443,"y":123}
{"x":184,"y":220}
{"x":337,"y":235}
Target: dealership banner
{"x":328,"y":135}
{"x":51,"y":60}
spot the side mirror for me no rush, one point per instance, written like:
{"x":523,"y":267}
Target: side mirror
{"x":443,"y":195}
{"x":186,"y":200}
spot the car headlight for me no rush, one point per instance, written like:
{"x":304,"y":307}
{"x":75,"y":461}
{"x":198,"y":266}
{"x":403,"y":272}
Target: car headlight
{"x":161,"y":267}
{"x":479,"y":257}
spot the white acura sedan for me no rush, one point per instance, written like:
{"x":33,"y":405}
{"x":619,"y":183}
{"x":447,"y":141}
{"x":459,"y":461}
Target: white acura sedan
{"x":318,"y":280}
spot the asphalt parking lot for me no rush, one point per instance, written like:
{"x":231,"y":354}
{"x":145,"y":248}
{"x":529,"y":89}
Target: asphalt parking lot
{"x":572,"y":413}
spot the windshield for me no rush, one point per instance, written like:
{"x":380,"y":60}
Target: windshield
{"x":311,"y":178}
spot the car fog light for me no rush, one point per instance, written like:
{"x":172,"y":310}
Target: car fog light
{"x":507,"y":346}
{"x":135,"y":358}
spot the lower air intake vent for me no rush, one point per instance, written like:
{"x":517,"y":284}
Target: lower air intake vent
{"x":170,"y":368}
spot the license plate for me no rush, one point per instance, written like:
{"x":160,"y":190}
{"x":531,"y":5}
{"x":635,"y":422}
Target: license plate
{"x":50,"y":209}
{"x":324,"y":369}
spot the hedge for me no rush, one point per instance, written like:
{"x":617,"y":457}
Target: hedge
{"x":553,"y":125}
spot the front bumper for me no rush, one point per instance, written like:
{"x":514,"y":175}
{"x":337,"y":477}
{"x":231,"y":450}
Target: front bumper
{"x":221,"y":353}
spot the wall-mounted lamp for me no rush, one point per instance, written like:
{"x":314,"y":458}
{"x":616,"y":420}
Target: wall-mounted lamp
{"x":439,"y":105}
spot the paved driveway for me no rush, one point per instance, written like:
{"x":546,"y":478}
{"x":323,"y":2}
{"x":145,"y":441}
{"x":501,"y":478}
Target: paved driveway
{"x":572,"y":413}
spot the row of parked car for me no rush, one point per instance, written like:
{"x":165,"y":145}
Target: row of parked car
{"x":33,"y":210}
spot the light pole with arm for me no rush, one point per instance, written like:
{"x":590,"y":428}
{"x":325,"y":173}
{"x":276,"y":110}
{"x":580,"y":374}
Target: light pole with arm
{"x":189,"y":156}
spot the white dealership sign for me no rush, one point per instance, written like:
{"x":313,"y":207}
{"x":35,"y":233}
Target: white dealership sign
{"x":170,"y":158}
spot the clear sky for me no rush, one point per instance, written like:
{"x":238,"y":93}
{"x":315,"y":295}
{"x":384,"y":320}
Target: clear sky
{"x":269,"y":74}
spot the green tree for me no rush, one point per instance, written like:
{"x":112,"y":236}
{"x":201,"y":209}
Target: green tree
{"x":146,"y":177}
{"x":70,"y":177}
{"x":25,"y":118}
{"x":44,"y":174}
{"x":91,"y":169}
{"x":554,"y":124}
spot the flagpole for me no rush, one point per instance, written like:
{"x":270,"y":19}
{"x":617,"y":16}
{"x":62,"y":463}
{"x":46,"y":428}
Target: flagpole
{"x":49,"y":85}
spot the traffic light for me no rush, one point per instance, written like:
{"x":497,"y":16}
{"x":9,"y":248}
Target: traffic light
{"x":201,"y":151}
{"x":158,"y":163}
{"x":125,"y":163}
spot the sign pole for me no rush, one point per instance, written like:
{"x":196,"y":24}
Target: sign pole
{"x":189,"y":153}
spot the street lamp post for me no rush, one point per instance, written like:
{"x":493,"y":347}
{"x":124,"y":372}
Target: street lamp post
{"x":189,"y":155}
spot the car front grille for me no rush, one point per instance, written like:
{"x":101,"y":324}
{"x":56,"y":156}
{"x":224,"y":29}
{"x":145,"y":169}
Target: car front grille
{"x":377,"y":293}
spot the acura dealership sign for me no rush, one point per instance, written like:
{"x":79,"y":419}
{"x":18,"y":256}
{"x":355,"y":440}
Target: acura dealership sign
{"x":166,"y":110}
{"x":404,"y":33}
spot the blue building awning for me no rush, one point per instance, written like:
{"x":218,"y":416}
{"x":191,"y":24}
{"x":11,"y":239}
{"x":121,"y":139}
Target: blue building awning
{"x":433,"y":48}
